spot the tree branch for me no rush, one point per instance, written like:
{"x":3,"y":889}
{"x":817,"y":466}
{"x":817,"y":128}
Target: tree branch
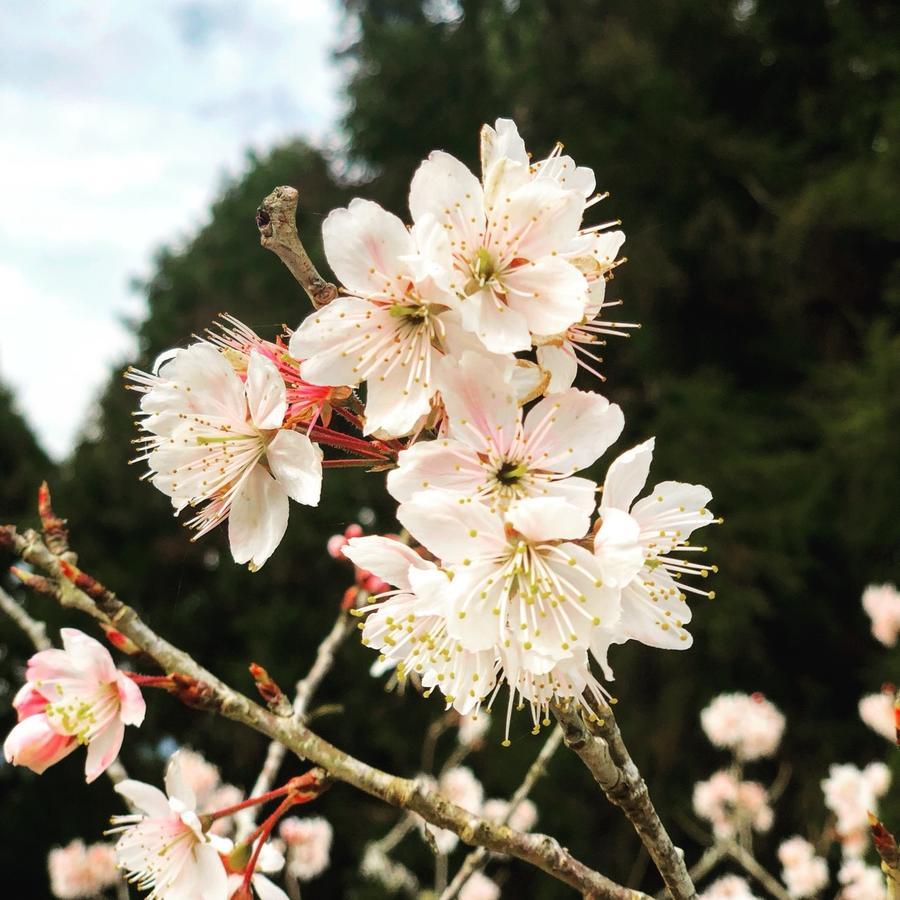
{"x":34,"y":630}
{"x":276,"y":219}
{"x":209,"y":692}
{"x":477,"y":858}
{"x":602,"y":749}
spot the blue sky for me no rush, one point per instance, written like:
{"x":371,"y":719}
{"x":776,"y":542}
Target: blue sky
{"x":119,"y":121}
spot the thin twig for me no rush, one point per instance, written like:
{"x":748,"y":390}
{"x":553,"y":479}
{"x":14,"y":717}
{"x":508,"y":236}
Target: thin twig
{"x":477,"y":858}
{"x":35,"y":630}
{"x":304,"y":692}
{"x":602,"y":749}
{"x":748,"y":862}
{"x":206,"y":691}
{"x":276,"y":219}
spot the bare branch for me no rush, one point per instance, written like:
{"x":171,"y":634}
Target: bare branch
{"x":34,"y":630}
{"x":276,"y":219}
{"x":602,"y":749}
{"x":209,"y":692}
{"x":477,"y":858}
{"x":748,"y":862}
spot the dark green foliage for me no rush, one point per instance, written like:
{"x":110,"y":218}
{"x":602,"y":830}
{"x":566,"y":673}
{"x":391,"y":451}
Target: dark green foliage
{"x":752,"y":151}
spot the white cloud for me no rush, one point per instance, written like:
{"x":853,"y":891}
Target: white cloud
{"x":118,"y":122}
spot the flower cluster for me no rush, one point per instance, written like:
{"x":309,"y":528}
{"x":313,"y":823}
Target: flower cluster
{"x":882,"y":604}
{"x":804,"y":873}
{"x":730,"y":804}
{"x":78,"y":871}
{"x":747,"y":724}
{"x":308,"y":843}
{"x":851,"y":794}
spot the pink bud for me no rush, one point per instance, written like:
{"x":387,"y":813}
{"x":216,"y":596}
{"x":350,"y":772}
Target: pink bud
{"x":336,"y":546}
{"x":353,"y":530}
{"x":33,"y":743}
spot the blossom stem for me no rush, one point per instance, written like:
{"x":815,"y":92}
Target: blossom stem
{"x":343,"y":441}
{"x":350,"y":463}
{"x":245,"y":804}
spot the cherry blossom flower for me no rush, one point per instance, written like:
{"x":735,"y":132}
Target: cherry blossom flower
{"x":851,"y":793}
{"x":308,"y":843}
{"x":164,"y":848}
{"x":479,"y":887}
{"x":394,"y":326}
{"x":747,"y":724}
{"x":523,"y":818}
{"x":269,"y":862}
{"x":77,"y":871}
{"x":492,"y":453}
{"x":73,"y":696}
{"x":882,"y":604}
{"x":728,"y":887}
{"x":502,"y":244}
{"x":728,"y":804}
{"x":215,"y":437}
{"x":804,"y":873}
{"x":635,"y":546}
{"x":200,"y":775}
{"x":877,"y":711}
{"x":861,"y":882}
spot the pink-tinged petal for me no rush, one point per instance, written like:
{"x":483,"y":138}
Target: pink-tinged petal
{"x":562,"y":364}
{"x":548,"y":519}
{"x":617,"y":547}
{"x":550,"y":293}
{"x":396,"y":402}
{"x":211,"y":875}
{"x":364,"y":245}
{"x":329,"y":340}
{"x":149,"y":800}
{"x":627,"y":476}
{"x":500,"y":328}
{"x":258,"y":518}
{"x":388,"y":559}
{"x":103,"y":749}
{"x":132,"y":705}
{"x":176,"y":784}
{"x":33,"y":743}
{"x":266,"y":890}
{"x":266,"y":394}
{"x":655,"y":612}
{"x":88,"y":655}
{"x":542,"y":219}
{"x":480,"y":400}
{"x":453,"y":526}
{"x":570,"y":431}
{"x":49,"y":665}
{"x":444,"y":464}
{"x":29,"y":701}
{"x":445,"y":188}
{"x":296,"y":463}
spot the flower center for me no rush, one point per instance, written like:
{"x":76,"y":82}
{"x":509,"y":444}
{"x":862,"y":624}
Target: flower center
{"x":510,"y":473}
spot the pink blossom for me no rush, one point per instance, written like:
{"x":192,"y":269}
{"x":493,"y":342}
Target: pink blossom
{"x":473,"y":728}
{"x":804,"y":873}
{"x":882,"y":604}
{"x":877,"y":711}
{"x":861,"y":882}
{"x":73,"y":696}
{"x":460,"y":786}
{"x":749,"y":725}
{"x":851,"y":793}
{"x":728,"y":887}
{"x":727,"y":803}
{"x":77,"y":871}
{"x":308,"y":843}
{"x":201,"y":777}
{"x":479,"y":887}
{"x":524,"y":817}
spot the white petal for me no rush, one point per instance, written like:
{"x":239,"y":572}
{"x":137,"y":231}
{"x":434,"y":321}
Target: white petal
{"x":176,"y":784}
{"x":502,"y":140}
{"x":396,"y":402}
{"x":570,"y":431}
{"x":453,"y":526}
{"x":548,"y":519}
{"x":433,"y":259}
{"x":627,"y":475}
{"x":444,"y":463}
{"x":541,"y":219}
{"x":148,"y":799}
{"x":655,"y":612}
{"x":388,"y":559}
{"x":562,"y":364}
{"x":266,"y":889}
{"x":578,"y":492}
{"x":212,"y":878}
{"x":266,"y":395}
{"x":480,"y":400}
{"x":258,"y":518}
{"x":566,"y":174}
{"x":617,"y":546}
{"x":674,"y":498}
{"x":528,"y":380}
{"x":103,"y":750}
{"x":445,"y":188}
{"x":270,"y":859}
{"x":364,"y":244}
{"x":550,"y":293}
{"x":499,"y":327}
{"x":296,"y":463}
{"x":473,"y":595}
